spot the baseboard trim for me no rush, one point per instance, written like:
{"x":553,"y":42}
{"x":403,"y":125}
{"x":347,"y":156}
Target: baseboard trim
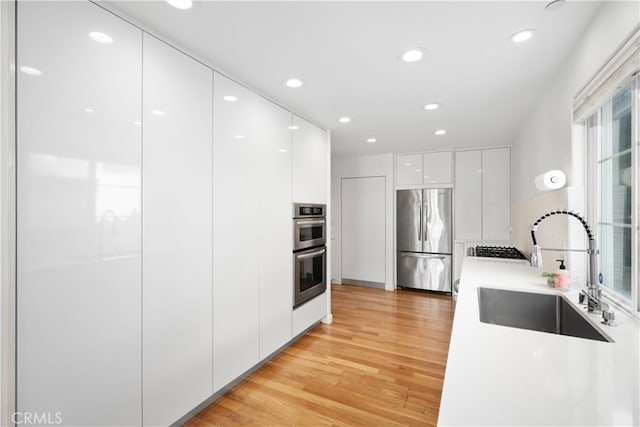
{"x":365,"y":283}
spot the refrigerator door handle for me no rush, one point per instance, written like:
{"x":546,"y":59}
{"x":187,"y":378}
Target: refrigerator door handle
{"x":425,"y":239}
{"x":420,"y":225}
{"x":422,"y":255}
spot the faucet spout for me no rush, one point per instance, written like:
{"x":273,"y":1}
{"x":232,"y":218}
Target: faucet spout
{"x":593,"y":283}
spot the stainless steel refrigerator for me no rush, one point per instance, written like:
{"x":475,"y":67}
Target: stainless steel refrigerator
{"x":424,"y":239}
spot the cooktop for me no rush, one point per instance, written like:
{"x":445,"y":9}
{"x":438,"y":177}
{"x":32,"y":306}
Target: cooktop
{"x":499,"y":252}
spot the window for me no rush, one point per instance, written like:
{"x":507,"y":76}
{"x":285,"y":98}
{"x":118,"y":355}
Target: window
{"x":614,"y":174}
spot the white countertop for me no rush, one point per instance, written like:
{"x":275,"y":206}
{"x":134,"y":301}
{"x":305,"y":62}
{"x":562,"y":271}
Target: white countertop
{"x":498,"y":375}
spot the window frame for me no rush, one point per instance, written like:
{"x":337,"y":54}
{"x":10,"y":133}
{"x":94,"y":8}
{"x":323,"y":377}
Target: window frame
{"x":620,"y":70}
{"x":592,"y":124}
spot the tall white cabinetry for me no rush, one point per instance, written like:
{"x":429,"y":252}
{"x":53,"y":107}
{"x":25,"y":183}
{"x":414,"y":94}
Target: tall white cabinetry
{"x":78,"y":207}
{"x":468,"y":195}
{"x":177,"y":233}
{"x":309,"y":154}
{"x":482,"y":195}
{"x":496,"y":194}
{"x":252,"y":227}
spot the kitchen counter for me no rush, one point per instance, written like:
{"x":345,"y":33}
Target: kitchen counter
{"x":498,"y":375}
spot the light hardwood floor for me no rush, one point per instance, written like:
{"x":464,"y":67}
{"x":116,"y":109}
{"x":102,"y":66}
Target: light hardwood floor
{"x":381,"y":363}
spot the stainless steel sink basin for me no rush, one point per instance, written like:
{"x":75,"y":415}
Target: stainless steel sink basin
{"x":536,"y":312}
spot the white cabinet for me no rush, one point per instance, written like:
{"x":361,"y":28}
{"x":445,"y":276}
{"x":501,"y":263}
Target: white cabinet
{"x":309,"y":313}
{"x":409,"y":169}
{"x":482,"y":195}
{"x":177,"y":152}
{"x":309,"y":161}
{"x":272,"y":188}
{"x":468,"y":195}
{"x":496,"y":194}
{"x":437,"y":167}
{"x":78,"y":215}
{"x":253,"y":235}
{"x":424,"y":169}
{"x":236,"y":271}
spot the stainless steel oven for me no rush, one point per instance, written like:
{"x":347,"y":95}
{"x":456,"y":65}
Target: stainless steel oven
{"x":309,"y":252}
{"x":310,"y":274}
{"x":309,"y":226}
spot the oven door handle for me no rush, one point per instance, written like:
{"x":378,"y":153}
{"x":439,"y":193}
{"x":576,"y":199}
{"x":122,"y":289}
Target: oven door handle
{"x":311,"y":254}
{"x":311,"y":222}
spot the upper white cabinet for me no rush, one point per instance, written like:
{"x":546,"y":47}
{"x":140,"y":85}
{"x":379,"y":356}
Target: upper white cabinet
{"x":409,"y":169}
{"x":482,"y":195}
{"x":78,"y":208}
{"x":309,"y":162}
{"x":177,"y":233}
{"x":437,"y":167}
{"x":252,"y":267}
{"x":424,"y":169}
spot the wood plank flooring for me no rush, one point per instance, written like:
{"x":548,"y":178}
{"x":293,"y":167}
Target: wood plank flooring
{"x":381,"y":363}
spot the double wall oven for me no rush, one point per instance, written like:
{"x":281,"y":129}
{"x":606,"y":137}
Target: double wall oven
{"x":309,"y":252}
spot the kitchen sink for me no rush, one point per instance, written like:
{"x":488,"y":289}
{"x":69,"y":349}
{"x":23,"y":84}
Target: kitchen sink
{"x":536,"y":312}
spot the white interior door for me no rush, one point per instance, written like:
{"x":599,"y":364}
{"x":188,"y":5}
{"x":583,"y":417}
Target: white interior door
{"x":363,"y":229}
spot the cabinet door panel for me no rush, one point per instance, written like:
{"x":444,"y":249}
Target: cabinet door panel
{"x":496,"y":197}
{"x":177,"y":233}
{"x":273,"y":187}
{"x":236,"y":230}
{"x":409,"y":169}
{"x":468,"y":195}
{"x":437,"y":167}
{"x":78,"y":215}
{"x":309,"y":162}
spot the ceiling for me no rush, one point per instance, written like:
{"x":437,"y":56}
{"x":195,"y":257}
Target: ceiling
{"x":347,"y":56}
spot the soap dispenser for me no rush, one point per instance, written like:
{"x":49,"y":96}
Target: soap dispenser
{"x":562,"y":276}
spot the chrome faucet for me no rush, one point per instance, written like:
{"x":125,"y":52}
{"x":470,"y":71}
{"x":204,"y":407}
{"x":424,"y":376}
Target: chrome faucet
{"x":593,"y":294}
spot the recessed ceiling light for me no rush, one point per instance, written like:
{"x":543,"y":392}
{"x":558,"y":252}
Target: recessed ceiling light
{"x":293,"y":83}
{"x":283,"y":150}
{"x":100,"y":37}
{"x":181,"y":4}
{"x":89,"y":110}
{"x":522,"y":36}
{"x":137,"y":123}
{"x":371,"y":140}
{"x":294,"y":127}
{"x":30,"y":70}
{"x":344,"y":119}
{"x":554,"y":5}
{"x":413,"y":55}
{"x":440,"y":132}
{"x":158,"y":112}
{"x":230,"y":98}
{"x":431,"y":106}
{"x":238,"y":136}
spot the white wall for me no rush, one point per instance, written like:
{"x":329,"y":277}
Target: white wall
{"x":546,"y":141}
{"x":357,"y":167}
{"x":549,"y":140}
